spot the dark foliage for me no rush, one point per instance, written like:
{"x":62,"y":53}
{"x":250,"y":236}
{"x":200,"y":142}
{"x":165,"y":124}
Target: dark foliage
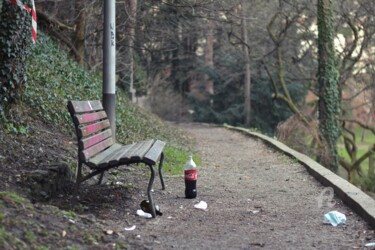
{"x":227,"y":105}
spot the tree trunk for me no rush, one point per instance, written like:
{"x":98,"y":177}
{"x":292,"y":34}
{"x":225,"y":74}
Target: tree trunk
{"x":79,"y":36}
{"x":329,"y":92}
{"x":209,"y":56}
{"x":371,"y":165}
{"x":247,"y":79}
{"x":175,"y":51}
{"x":131,"y":38}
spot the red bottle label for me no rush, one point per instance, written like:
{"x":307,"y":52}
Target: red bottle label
{"x":191,"y":175}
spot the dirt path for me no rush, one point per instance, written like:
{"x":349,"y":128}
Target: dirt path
{"x":257,"y":199}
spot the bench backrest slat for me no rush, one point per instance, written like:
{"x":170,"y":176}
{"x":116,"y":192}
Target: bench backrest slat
{"x":89,"y":117}
{"x":97,"y":148}
{"x":92,"y":140}
{"x":92,"y":128}
{"x":85,"y":106}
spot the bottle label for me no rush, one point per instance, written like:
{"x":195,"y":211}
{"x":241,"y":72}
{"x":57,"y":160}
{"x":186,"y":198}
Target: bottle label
{"x":191,"y":175}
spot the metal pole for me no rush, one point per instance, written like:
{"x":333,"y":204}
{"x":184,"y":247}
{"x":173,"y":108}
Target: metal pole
{"x":109,"y":63}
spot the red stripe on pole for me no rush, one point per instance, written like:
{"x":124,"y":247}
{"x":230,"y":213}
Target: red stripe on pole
{"x":33,"y":22}
{"x":27,"y":8}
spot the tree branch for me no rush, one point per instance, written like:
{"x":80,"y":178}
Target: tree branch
{"x":372,"y":129}
{"x":44,"y":17}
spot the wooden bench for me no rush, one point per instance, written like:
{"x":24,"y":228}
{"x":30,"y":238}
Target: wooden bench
{"x":98,"y":150}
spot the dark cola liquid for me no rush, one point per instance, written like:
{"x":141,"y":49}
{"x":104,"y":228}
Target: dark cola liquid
{"x":190,"y":189}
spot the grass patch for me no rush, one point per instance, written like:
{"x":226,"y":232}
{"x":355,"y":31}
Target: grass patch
{"x":175,"y":160}
{"x":342,"y":153}
{"x":30,"y":236}
{"x":69,"y":214}
{"x":369,"y":137}
{"x":10,"y":241}
{"x":89,"y":239}
{"x":13,"y":199}
{"x":367,"y":183}
{"x":3,"y":236}
{"x":362,"y":146}
{"x":41,"y":248}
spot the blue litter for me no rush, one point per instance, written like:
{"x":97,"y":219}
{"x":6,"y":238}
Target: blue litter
{"x":334,"y":218}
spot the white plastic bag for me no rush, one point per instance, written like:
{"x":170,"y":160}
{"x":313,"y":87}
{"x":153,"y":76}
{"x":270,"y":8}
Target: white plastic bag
{"x":143,"y":214}
{"x":201,"y":205}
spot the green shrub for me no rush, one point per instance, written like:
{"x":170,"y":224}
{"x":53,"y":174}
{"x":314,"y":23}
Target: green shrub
{"x":55,"y":78}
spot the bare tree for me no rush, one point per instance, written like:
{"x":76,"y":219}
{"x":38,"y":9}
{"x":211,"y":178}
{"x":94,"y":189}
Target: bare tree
{"x":209,"y":55}
{"x":247,"y":79}
{"x":80,"y":28}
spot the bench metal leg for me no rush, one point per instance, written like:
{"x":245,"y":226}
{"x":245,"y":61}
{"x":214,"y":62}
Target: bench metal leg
{"x":149,"y":188}
{"x":79,"y":172}
{"x":101,"y":178}
{"x":78,"y":178}
{"x":160,"y":172}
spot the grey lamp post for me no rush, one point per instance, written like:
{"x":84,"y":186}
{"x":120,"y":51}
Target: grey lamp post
{"x":109,"y":63}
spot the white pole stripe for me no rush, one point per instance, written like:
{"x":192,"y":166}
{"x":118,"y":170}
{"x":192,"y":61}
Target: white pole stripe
{"x":33,"y":22}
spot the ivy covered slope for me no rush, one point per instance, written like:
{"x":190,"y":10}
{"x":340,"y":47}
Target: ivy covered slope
{"x":14,"y":37}
{"x":54,"y":78}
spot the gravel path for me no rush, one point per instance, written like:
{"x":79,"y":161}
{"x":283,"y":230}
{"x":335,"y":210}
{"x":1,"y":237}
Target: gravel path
{"x":257,"y":199}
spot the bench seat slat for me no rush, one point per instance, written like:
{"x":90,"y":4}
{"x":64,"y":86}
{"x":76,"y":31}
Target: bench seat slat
{"x":126,"y":156}
{"x":117,"y":157}
{"x":96,"y":160}
{"x":89,"y":117}
{"x":90,"y":152}
{"x":85,"y":106}
{"x":93,"y":128}
{"x":142,"y":150}
{"x":153,"y":154}
{"x":113,"y":158}
{"x":92,"y":140}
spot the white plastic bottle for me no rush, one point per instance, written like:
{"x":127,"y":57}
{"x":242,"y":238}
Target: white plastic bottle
{"x":190,"y":174}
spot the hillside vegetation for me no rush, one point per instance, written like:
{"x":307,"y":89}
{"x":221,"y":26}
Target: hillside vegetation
{"x":54,"y":78}
{"x":39,"y":133}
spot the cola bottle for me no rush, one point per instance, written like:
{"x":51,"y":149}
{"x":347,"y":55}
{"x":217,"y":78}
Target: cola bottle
{"x":190,"y":173}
